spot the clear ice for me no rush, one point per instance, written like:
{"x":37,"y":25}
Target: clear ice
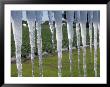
{"x":77,"y":20}
{"x":70,"y":19}
{"x":17,"y":31}
{"x":90,"y":19}
{"x":39,"y":15}
{"x":58,"y":25}
{"x":83,"y":20}
{"x":51,"y":25}
{"x":30,"y":15}
{"x":95,"y":25}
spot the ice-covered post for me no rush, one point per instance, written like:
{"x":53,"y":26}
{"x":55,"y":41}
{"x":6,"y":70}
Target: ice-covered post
{"x":77,"y":19}
{"x":30,"y":15}
{"x":58,"y":25}
{"x":70,"y":19}
{"x":83,"y":20}
{"x":51,"y":25}
{"x":90,"y":19}
{"x":39,"y":15}
{"x":17,"y":31}
{"x":95,"y":25}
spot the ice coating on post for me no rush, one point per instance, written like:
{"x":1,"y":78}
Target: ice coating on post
{"x":51,"y":25}
{"x":58,"y":25}
{"x":70,"y":19}
{"x":83,"y":20}
{"x":30,"y":15}
{"x":17,"y":31}
{"x":95,"y":25}
{"x":39,"y":40}
{"x":77,"y":19}
{"x":90,"y":19}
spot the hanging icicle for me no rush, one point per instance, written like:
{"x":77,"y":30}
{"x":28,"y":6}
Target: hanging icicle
{"x":51,"y":25}
{"x":17,"y":31}
{"x":70,"y":19}
{"x":39,"y":40}
{"x":58,"y":25}
{"x":95,"y":25}
{"x":77,"y":19}
{"x":99,"y":26}
{"x":83,"y":20}
{"x":31,"y":24}
{"x":90,"y":18}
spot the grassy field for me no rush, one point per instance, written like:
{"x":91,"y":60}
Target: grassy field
{"x":50,"y":65}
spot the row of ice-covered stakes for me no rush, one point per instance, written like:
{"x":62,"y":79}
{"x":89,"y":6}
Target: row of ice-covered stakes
{"x":80,"y":18}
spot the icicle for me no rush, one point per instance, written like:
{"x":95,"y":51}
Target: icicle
{"x":99,"y":26}
{"x":77,"y":16}
{"x":58,"y":25}
{"x":95,"y":49}
{"x":17,"y":31}
{"x":99,"y":33}
{"x":90,"y":18}
{"x":51,"y":25}
{"x":39,"y":40}
{"x":31,"y":24}
{"x":70,"y":19}
{"x":83,"y":20}
{"x":95,"y":25}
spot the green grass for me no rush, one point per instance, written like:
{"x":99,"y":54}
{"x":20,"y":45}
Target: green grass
{"x":50,"y":65}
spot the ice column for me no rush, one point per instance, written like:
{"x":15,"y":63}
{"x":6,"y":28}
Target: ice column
{"x":58,"y":25}
{"x":17,"y":31}
{"x":95,"y":25}
{"x":31,"y":24}
{"x":83,"y":20}
{"x":77,"y":19}
{"x":90,"y":18}
{"x":70,"y":19}
{"x":51,"y":25}
{"x":39,"y":15}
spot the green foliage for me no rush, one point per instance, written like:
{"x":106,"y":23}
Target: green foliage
{"x":25,"y":41}
{"x":46,"y":37}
